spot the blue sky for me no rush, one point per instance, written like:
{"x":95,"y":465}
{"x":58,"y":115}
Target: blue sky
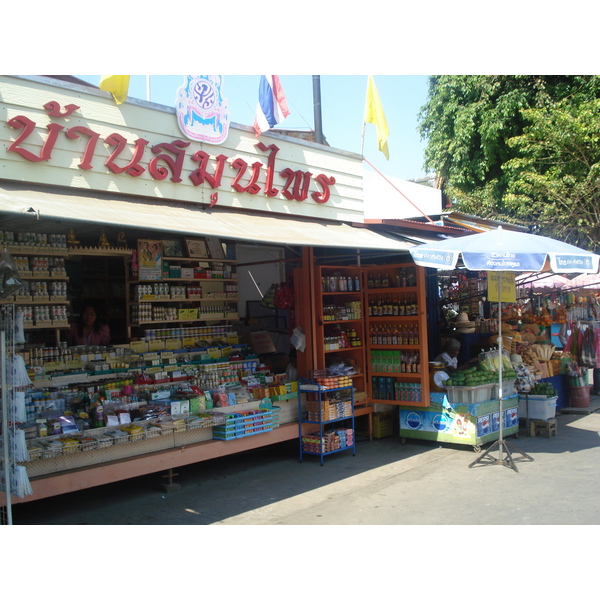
{"x":342,"y":108}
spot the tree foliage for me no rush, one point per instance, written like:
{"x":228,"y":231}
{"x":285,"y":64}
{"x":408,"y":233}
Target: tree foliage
{"x":518,"y":148}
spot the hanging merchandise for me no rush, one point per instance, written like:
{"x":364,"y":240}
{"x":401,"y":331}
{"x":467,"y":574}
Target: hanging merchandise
{"x":284,"y":295}
{"x":298,"y":339}
{"x":588,"y":353}
{"x":267,"y":299}
{"x":9,"y":276}
{"x":573,"y":345}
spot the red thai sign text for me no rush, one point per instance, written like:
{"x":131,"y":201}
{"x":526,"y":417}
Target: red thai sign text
{"x":170,"y":159}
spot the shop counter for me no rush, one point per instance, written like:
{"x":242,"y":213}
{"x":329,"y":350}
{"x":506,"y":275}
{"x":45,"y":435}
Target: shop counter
{"x":469,"y":424}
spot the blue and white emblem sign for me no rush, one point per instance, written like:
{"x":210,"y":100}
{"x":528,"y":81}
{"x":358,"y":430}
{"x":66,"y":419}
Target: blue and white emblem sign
{"x":202,"y":113}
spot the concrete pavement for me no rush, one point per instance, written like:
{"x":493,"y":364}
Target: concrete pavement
{"x":386,"y":483}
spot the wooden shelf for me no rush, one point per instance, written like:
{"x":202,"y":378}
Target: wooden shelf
{"x":394,"y":352}
{"x":202,"y":260}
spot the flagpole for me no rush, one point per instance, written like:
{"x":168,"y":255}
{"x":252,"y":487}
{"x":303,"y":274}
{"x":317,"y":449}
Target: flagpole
{"x":362,"y":141}
{"x":317,"y":108}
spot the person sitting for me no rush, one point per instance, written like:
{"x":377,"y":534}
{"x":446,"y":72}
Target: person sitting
{"x":87,"y":330}
{"x":450,"y":357}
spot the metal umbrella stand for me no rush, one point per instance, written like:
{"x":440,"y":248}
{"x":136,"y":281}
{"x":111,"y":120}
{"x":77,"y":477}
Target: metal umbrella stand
{"x":505,"y":453}
{"x":502,"y":250}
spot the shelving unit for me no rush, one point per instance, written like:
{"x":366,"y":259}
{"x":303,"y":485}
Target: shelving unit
{"x":396,"y":332}
{"x":191,"y":290}
{"x":340,"y":334}
{"x":42,"y":268}
{"x":331,"y":413}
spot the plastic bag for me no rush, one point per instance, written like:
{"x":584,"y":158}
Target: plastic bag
{"x":9,"y":276}
{"x":298,"y":339}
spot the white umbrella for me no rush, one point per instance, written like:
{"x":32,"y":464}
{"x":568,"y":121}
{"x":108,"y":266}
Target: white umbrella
{"x":503,"y":250}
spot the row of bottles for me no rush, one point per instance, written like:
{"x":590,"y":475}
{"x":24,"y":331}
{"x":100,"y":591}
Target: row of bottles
{"x":396,"y":305}
{"x":340,"y":283}
{"x":342,"y":339}
{"x":349,"y":312}
{"x":39,"y":315}
{"x":396,"y":361}
{"x":403,"y":277}
{"x":394,"y":335}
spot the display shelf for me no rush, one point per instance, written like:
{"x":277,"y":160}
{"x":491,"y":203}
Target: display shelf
{"x":176,"y":259}
{"x":331,"y":412}
{"x":35,"y":302}
{"x":339,"y":313}
{"x":396,"y":333}
{"x":148,"y":301}
{"x":174,"y":321}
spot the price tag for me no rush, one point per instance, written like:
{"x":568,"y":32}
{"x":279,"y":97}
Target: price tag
{"x":55,"y":365}
{"x":139,"y":347}
{"x":214,"y":353}
{"x":73,"y":365}
{"x":156,"y":345}
{"x":173,"y":344}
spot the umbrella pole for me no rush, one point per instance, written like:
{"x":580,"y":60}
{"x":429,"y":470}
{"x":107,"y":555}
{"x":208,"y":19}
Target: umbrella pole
{"x":500,"y":442}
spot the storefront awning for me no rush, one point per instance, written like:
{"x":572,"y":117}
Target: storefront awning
{"x":123,"y":211}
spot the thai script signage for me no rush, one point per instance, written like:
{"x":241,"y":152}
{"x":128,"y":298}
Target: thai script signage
{"x":49,"y":133}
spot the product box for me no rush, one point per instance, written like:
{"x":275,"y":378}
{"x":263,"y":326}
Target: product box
{"x":175,"y":272}
{"x":183,"y":314}
{"x":160,"y":395}
{"x":187,"y":273}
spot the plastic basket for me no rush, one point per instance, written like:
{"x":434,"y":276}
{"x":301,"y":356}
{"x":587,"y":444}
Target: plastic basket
{"x":238,"y":425}
{"x":470,"y":394}
{"x":275,"y":412}
{"x":383,"y":424}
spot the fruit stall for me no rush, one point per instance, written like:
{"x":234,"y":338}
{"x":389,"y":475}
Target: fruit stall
{"x":467,"y":409}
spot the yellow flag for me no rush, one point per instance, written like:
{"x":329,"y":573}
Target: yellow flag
{"x":117,"y":85}
{"x":374,"y":114}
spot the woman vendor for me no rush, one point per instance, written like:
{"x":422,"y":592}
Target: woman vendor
{"x":450,"y":357}
{"x":87,"y":330}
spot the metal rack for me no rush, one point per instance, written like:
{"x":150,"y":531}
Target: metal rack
{"x":6,"y":462}
{"x":316,"y":440}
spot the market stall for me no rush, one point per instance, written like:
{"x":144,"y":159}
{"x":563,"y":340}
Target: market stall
{"x":155,"y":234}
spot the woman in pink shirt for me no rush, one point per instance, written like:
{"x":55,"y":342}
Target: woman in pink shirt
{"x":87,"y":330}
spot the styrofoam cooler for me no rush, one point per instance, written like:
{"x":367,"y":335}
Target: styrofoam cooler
{"x":540,"y":407}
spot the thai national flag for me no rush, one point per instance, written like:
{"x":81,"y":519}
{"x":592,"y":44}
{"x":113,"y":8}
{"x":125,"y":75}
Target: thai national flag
{"x":272,"y":106}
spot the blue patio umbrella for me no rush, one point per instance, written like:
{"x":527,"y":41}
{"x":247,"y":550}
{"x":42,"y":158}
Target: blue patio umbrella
{"x":503,"y":250}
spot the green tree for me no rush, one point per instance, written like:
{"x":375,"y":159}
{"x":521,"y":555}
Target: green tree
{"x":555,"y":177}
{"x":468,"y":122}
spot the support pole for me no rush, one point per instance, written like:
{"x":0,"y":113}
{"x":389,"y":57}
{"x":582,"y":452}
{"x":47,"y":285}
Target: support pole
{"x":500,"y":443}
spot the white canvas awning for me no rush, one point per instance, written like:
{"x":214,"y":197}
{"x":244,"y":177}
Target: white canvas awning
{"x":198,"y":220}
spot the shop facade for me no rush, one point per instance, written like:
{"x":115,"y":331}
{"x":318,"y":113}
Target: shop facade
{"x":89,"y":189}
